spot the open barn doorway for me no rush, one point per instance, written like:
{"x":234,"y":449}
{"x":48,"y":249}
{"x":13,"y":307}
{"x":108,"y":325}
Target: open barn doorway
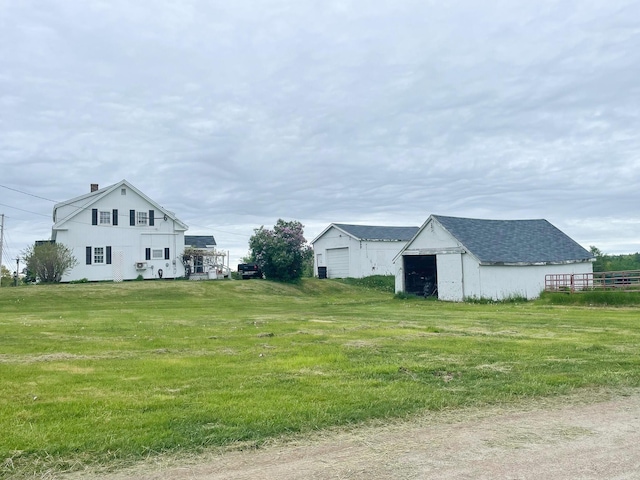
{"x":421,"y":275}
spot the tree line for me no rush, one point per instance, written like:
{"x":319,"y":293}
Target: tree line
{"x":614,"y":263}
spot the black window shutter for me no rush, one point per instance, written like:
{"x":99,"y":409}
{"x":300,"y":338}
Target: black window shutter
{"x":132,"y":218}
{"x":151,"y":218}
{"x":88,"y":256}
{"x":94,"y":216}
{"x":115,"y":216}
{"x":108,"y":255}
{"x":147,"y":254}
{"x":166,"y":253}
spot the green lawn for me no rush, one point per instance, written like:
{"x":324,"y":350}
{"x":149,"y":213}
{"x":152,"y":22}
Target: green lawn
{"x":109,"y":373}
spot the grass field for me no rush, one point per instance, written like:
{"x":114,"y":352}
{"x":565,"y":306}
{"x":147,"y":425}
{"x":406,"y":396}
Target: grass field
{"x":109,"y":373}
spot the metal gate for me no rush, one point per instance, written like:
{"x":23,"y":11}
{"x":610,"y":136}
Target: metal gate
{"x":628,"y":281}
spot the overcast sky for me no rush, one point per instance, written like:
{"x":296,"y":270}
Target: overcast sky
{"x":234,"y":114}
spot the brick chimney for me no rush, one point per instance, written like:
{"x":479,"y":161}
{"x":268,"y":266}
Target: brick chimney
{"x":94,"y":187}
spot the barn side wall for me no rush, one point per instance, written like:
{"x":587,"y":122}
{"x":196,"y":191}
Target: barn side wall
{"x":503,"y":282}
{"x":376,"y":258}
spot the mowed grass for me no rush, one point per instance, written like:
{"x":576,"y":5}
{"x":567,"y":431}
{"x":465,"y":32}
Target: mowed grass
{"x":104,"y":374}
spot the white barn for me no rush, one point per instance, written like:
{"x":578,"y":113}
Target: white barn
{"x":359,"y":250}
{"x":460,"y":258}
{"x":118,"y":233}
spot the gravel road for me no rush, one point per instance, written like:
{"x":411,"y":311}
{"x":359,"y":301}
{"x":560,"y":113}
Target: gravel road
{"x":562,"y":438}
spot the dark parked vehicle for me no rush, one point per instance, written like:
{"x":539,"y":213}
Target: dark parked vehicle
{"x":249,"y":270}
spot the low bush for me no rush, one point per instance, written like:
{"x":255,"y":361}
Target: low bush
{"x":489,"y":301}
{"x":82,"y":280}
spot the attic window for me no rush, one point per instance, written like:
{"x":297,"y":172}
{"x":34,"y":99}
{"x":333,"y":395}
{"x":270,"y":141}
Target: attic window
{"x":123,"y":191}
{"x":143,"y":218}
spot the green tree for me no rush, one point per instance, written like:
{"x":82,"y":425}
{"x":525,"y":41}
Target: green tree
{"x":600,"y":264}
{"x":614,"y":263}
{"x":624,"y":262}
{"x":49,"y":261}
{"x":281,"y":253}
{"x":6,"y":277}
{"x":307,"y":263}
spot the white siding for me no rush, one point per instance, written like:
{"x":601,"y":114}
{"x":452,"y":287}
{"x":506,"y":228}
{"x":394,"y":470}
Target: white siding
{"x":501,"y":282}
{"x":376,"y":258}
{"x":450,"y":280}
{"x":433,"y":236}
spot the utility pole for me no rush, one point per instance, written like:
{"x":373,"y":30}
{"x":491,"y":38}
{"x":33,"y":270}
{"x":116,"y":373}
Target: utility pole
{"x":17,"y":269}
{"x":1,"y":237}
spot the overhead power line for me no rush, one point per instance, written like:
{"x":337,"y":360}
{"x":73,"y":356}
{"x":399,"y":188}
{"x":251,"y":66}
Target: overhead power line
{"x":27,"y":193}
{"x":23,"y":210}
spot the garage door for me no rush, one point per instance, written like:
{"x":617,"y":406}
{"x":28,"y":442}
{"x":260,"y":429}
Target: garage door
{"x":338,"y":262}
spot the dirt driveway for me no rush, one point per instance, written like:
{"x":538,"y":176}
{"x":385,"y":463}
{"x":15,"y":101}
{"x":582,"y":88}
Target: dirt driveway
{"x":568,"y":438}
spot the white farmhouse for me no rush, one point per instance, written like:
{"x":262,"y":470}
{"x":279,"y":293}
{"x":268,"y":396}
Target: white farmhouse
{"x":459,"y":258}
{"x":357,"y":251}
{"x":118,"y":233}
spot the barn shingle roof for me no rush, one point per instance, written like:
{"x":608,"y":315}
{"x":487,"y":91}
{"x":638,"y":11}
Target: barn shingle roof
{"x":379,"y":233}
{"x":514,"y":241}
{"x":199,"y":241}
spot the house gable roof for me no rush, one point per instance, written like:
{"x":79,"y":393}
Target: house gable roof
{"x":512,"y":242}
{"x":199,"y":241}
{"x":373,"y":233}
{"x":83,"y":202}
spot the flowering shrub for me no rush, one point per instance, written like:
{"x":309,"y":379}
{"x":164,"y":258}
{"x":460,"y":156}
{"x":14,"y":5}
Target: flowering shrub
{"x":281,"y":253}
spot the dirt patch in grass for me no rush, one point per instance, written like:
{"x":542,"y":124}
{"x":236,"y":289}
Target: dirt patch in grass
{"x":61,"y":357}
{"x":592,"y":436}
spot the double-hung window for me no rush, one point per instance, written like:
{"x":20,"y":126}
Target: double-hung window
{"x":105,"y":218}
{"x":157,"y":253}
{"x":98,"y":254}
{"x":141,"y":218}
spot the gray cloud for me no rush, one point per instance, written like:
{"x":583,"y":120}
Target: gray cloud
{"x":235,"y":114}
